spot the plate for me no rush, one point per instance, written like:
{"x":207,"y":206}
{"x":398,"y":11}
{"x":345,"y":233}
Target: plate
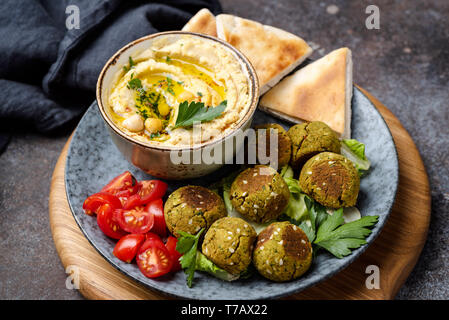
{"x":93,"y":160}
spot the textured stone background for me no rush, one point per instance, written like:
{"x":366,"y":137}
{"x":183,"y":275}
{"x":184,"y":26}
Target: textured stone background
{"x":405,"y":64}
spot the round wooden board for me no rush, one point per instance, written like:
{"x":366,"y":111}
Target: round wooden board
{"x":395,"y":251}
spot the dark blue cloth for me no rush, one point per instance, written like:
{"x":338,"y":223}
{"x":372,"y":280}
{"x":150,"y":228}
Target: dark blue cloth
{"x":48,"y":73}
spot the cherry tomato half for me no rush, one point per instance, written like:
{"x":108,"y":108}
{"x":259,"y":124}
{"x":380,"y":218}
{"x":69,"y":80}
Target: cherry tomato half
{"x":153,"y":258}
{"x":151,"y":235}
{"x":95,"y":201}
{"x":156,"y":208}
{"x":106,"y":222}
{"x":127,"y":247}
{"x":135,"y":220}
{"x":175,"y":255}
{"x":149,"y":190}
{"x":123,"y":185}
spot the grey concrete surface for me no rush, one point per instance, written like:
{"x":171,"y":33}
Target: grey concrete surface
{"x":405,"y":64}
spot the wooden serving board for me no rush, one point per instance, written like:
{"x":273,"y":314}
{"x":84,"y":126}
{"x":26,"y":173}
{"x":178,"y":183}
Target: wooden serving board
{"x":395,"y":251}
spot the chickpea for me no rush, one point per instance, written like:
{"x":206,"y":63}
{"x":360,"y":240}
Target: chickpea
{"x":153,"y":125}
{"x":186,"y":95}
{"x":163,"y":109}
{"x":134,"y":123}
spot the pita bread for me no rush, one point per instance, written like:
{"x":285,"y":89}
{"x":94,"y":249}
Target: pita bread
{"x":202,"y":22}
{"x":321,"y":91}
{"x":273,"y":52}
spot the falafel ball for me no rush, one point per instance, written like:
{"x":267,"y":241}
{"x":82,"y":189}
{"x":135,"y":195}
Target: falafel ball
{"x":311,"y":138}
{"x":259,"y":194}
{"x":191,"y":208}
{"x":331,"y":179}
{"x":229,"y":244}
{"x":284,"y":144}
{"x":283,"y":252}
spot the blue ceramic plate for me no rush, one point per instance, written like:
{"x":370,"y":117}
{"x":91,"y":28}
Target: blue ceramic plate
{"x":93,"y":160}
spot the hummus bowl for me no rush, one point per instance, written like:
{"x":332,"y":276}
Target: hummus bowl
{"x":142,"y":86}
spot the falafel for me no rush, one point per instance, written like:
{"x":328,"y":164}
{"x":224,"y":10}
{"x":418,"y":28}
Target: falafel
{"x":283,"y":252}
{"x":191,"y":208}
{"x":229,"y":244}
{"x":284,"y":144}
{"x":330,"y":179}
{"x":311,"y":138}
{"x":259,"y":194}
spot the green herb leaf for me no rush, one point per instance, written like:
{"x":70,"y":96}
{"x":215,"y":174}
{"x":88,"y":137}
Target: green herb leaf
{"x":307,"y":230}
{"x":205,"y":265}
{"x":168,"y":59}
{"x":170,"y":86}
{"x":317,"y":213}
{"x":355,"y":151}
{"x":131,"y":64}
{"x":187,"y":245}
{"x":188,"y":114}
{"x":134,"y":84}
{"x":286,"y":172}
{"x":339,"y":238}
{"x":329,"y":225}
{"x":341,"y":247}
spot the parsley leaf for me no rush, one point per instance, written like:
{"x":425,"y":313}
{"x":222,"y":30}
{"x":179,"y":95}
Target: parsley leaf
{"x":339,"y":238}
{"x":329,"y":225}
{"x":134,"y":84}
{"x":307,"y":230}
{"x":341,"y":247}
{"x":170,"y":86}
{"x":197,"y":112}
{"x":131,"y":64}
{"x":187,"y":245}
{"x":329,"y":232}
{"x":317,"y":213}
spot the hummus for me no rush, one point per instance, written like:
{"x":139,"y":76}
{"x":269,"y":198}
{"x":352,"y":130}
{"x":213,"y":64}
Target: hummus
{"x":146,"y":93}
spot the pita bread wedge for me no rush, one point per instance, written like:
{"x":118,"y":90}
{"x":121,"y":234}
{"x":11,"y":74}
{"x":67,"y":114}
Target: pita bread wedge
{"x":273,"y":52}
{"x":321,"y":91}
{"x":202,"y":22}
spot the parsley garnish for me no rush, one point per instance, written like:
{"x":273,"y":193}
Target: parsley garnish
{"x":170,"y":86}
{"x":147,"y":102}
{"x":131,"y":64}
{"x":199,"y":93}
{"x":197,"y":112}
{"x":187,"y":245}
{"x":168,"y":59}
{"x":134,"y":84}
{"x":332,"y":234}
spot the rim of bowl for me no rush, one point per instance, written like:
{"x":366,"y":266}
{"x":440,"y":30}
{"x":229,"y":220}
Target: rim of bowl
{"x":252,"y":77}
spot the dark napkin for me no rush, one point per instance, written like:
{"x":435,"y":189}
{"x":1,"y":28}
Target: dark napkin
{"x":48,"y":73}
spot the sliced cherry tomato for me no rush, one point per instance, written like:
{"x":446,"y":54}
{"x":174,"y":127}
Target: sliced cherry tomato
{"x":106,"y":222}
{"x":95,"y":201}
{"x":123,"y":185}
{"x":175,"y":255}
{"x":151,"y":235}
{"x":131,"y":202}
{"x":156,"y":208}
{"x":135,"y":220}
{"x":127,"y":247}
{"x":153,"y":258}
{"x":149,"y":190}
